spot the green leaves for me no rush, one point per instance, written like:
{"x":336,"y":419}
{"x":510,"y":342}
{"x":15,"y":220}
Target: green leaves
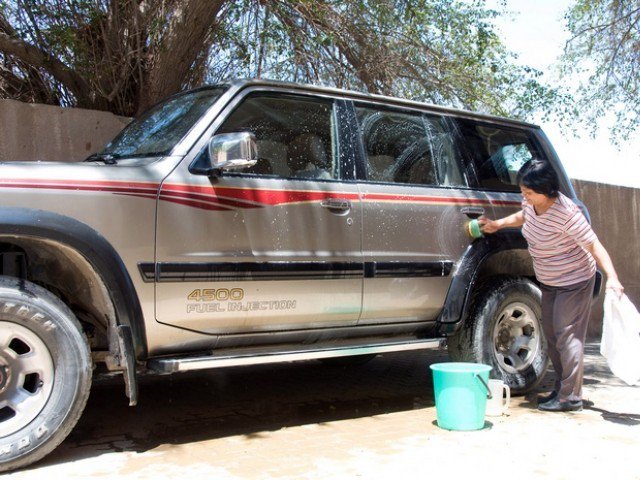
{"x":441,"y":51}
{"x":604,"y":50}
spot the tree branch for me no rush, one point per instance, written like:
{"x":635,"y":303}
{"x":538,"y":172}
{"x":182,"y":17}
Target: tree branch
{"x":37,"y":58}
{"x":602,"y":26}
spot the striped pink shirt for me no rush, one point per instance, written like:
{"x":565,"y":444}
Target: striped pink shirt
{"x":556,"y":243}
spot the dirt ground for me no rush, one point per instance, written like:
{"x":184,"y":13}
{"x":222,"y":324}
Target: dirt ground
{"x":314,"y":421}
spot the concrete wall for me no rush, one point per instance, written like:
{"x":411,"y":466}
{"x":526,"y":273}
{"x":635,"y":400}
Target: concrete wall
{"x":615,"y":216}
{"x":42,"y":132}
{"x":45,"y":132}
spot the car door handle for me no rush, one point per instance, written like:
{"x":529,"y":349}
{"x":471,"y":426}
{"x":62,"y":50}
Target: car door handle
{"x":336,"y":204}
{"x":472,"y":212}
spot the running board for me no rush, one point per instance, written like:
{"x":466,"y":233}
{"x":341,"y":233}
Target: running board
{"x":184,"y":364}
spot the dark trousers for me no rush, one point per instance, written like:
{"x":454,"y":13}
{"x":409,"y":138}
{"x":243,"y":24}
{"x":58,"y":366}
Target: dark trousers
{"x":565,"y":316}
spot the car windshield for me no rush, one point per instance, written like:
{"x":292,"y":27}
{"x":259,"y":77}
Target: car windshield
{"x":160,"y":128}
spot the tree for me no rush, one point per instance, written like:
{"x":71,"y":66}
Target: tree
{"x":125,"y":55}
{"x":115,"y":55}
{"x":605,"y":48}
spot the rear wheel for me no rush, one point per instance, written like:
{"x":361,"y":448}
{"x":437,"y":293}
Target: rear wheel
{"x":504,"y":331}
{"x":45,"y":372}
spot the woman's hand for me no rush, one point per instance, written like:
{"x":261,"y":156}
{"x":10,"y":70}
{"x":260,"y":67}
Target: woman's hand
{"x":615,"y":286}
{"x":488,"y":226}
{"x":492,"y":226}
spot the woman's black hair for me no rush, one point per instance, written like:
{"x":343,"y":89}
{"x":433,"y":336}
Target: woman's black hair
{"x":539,"y":176}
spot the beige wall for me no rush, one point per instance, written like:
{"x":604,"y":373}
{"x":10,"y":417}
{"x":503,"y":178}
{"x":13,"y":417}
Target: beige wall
{"x":615,"y":215}
{"x":45,"y":132}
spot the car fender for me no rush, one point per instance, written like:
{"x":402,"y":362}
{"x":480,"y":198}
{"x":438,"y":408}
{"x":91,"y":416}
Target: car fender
{"x":466,"y":275}
{"x":96,"y":250}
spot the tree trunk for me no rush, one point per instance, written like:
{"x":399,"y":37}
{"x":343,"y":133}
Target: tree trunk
{"x":189,"y":28}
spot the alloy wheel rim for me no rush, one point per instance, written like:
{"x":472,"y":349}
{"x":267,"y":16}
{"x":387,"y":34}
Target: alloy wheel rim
{"x":516,"y":338}
{"x":27,"y":372}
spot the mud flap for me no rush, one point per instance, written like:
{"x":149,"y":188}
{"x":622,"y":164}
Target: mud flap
{"x":128,"y":363}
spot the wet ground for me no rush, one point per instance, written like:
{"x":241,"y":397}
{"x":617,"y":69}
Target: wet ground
{"x":314,"y":421}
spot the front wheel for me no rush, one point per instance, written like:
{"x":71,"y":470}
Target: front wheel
{"x":45,"y":372}
{"x":504,"y":331}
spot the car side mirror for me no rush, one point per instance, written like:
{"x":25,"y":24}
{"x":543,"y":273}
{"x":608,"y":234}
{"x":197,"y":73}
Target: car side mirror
{"x":226,"y":152}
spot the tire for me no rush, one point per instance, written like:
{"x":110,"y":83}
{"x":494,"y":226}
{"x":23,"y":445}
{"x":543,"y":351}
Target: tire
{"x":45,"y":372}
{"x":504,"y":331}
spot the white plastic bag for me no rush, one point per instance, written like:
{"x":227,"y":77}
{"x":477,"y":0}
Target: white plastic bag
{"x":621,"y":338}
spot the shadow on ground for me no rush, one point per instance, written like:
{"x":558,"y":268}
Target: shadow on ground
{"x":198,"y":406}
{"x":630,"y":419}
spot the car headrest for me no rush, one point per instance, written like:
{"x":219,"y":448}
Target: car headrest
{"x":304,"y":149}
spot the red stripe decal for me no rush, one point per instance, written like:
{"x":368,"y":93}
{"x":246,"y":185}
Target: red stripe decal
{"x":226,"y":198}
{"x":262,"y":196}
{"x":140,"y":195}
{"x":424,"y":199}
{"x":210,"y":198}
{"x":193,"y":203}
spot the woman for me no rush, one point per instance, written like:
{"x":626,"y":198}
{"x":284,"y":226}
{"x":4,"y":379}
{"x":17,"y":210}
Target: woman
{"x":565,"y":250}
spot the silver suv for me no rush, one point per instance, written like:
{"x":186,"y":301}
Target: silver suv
{"x":257,"y":222}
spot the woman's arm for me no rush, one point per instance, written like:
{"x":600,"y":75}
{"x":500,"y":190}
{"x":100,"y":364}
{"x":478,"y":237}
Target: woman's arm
{"x":604,"y":261}
{"x":491,"y":226}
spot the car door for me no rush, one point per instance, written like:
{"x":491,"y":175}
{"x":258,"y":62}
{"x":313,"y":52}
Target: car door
{"x":273,"y":247}
{"x":415,"y":207}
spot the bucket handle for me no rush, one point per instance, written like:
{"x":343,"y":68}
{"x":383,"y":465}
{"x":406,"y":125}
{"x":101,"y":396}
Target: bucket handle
{"x":489,"y":396}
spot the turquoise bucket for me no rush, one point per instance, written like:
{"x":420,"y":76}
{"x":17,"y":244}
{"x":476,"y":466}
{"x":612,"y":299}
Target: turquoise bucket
{"x":461,"y":391}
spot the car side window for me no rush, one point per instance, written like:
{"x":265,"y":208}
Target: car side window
{"x":496,"y":154}
{"x":295,"y":135}
{"x":408,"y":147}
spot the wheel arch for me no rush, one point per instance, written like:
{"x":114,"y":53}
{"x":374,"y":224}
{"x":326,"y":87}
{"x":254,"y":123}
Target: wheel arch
{"x":82,"y":259}
{"x":502,"y":253}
